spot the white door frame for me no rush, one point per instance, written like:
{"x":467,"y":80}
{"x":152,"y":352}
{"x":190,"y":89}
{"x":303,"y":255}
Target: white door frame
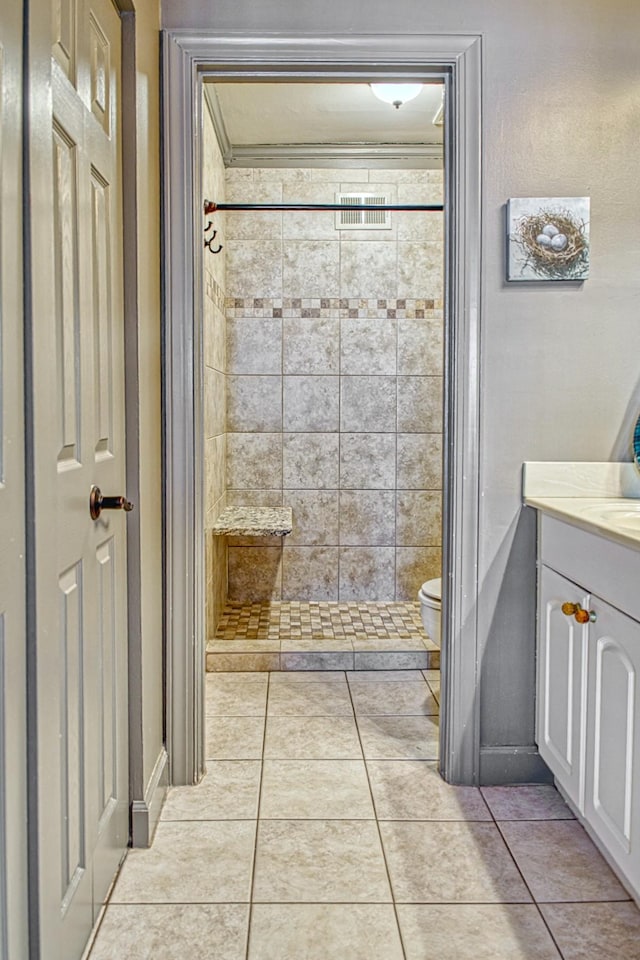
{"x":187,"y":58}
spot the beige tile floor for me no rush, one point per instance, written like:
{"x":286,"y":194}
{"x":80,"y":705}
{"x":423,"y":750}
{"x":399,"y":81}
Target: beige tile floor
{"x":322,"y":831}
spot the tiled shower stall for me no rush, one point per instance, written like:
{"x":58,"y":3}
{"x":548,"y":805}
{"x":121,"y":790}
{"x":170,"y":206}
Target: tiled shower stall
{"x":323,"y":386}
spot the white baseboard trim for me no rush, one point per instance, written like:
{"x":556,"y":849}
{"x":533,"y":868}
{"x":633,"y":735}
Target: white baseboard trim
{"x":145,"y":814}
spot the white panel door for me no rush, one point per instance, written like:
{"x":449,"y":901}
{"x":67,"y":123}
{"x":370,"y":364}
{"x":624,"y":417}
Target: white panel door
{"x":13,"y":773}
{"x":612,"y":801}
{"x":561,"y":703}
{"x":79,"y":441}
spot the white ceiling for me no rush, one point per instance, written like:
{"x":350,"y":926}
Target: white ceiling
{"x":323,"y":113}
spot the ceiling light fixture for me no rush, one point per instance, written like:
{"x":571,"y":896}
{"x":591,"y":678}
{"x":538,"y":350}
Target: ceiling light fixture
{"x":396,"y":93}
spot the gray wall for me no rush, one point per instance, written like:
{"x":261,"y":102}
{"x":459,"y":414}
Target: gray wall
{"x":560,"y":362}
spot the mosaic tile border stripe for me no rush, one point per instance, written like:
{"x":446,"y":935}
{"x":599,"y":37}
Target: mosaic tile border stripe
{"x":214,"y":292}
{"x":352,"y":307}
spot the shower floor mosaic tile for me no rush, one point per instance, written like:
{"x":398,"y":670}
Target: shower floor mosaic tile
{"x":323,"y":831}
{"x":291,"y":635}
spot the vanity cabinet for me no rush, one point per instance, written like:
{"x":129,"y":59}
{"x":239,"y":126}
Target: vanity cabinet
{"x":588,"y":687}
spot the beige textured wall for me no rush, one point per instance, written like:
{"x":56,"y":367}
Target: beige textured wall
{"x":334,"y":403}
{"x":213,"y":186}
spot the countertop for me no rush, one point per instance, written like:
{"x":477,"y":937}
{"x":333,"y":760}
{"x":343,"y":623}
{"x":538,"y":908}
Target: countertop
{"x":601,"y":498}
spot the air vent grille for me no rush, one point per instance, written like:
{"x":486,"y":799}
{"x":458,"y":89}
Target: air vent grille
{"x":362,"y":219}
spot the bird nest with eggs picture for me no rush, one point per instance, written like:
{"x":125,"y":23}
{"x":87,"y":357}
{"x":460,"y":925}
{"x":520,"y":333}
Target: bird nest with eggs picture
{"x":550,"y":242}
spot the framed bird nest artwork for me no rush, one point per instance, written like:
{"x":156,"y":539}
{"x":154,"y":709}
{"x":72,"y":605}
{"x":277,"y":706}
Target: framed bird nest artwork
{"x":548,"y":238}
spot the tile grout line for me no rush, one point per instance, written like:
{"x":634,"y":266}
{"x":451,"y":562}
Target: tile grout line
{"x":529,"y":890}
{"x":255,"y":841}
{"x":377,"y":822}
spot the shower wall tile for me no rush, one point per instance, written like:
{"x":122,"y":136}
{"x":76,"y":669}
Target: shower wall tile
{"x":254,"y":404}
{"x":310,"y":573}
{"x":311,"y":460}
{"x":254,"y":268}
{"x":254,"y":225}
{"x":432,"y":177}
{"x":420,"y":347}
{"x":214,"y":402}
{"x":255,"y":498}
{"x":311,"y":268}
{"x":214,"y":336}
{"x":209,"y":482}
{"x":373,"y":566}
{"x":282,"y":174}
{"x":435,"y":181}
{"x":315,"y":517}
{"x":419,"y":518}
{"x":368,"y":404}
{"x":420,"y":269}
{"x":215,"y":470}
{"x":309,"y":225}
{"x":238,"y":175}
{"x":420,"y":404}
{"x":311,"y":404}
{"x":367,"y":517}
{"x":368,"y":346}
{"x":419,"y":461}
{"x":336,"y":174}
{"x":377,"y":183}
{"x":334,"y":343}
{"x":311,"y":345}
{"x":214,"y":184}
{"x":425,"y":225}
{"x":255,"y":573}
{"x":254,"y":345}
{"x":254,"y":460}
{"x":214,"y":389}
{"x":217,"y":583}
{"x":414,"y":566}
{"x":368,"y":269}
{"x":367,"y":461}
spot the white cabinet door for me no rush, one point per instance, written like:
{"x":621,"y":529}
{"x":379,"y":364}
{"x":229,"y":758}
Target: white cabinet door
{"x":612,"y":801}
{"x":561,"y":703}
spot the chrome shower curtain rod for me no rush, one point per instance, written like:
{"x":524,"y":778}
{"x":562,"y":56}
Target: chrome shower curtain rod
{"x":211,"y":207}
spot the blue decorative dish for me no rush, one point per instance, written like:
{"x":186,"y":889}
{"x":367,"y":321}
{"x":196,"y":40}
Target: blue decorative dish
{"x":636,"y":443}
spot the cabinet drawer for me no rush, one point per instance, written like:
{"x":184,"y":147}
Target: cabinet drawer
{"x":601,"y":566}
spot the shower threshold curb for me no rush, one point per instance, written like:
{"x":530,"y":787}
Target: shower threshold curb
{"x":222,"y":661}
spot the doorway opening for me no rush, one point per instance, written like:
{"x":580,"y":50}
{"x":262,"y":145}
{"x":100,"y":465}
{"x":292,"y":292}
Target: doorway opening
{"x":453,"y":61}
{"x":328,"y":399}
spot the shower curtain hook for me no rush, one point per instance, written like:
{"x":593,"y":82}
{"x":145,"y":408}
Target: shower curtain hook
{"x":210,"y":207}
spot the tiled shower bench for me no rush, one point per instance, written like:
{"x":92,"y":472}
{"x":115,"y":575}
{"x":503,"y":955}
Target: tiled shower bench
{"x":308,"y":635}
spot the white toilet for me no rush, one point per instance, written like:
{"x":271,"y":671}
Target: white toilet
{"x":430,"y":597}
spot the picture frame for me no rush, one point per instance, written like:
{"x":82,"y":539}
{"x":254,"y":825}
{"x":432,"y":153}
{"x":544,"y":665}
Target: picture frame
{"x":548,"y":238}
